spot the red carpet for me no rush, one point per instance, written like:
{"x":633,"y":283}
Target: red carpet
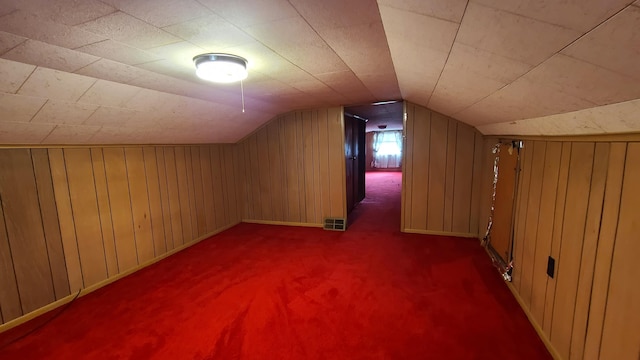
{"x":274,"y":292}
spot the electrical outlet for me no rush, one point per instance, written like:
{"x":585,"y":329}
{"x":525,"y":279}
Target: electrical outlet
{"x":551,"y":267}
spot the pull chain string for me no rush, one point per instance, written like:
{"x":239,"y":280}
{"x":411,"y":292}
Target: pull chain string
{"x":242,"y":92}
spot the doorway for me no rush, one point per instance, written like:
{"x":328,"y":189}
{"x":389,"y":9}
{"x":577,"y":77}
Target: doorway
{"x":506,"y":163}
{"x":373,"y":143}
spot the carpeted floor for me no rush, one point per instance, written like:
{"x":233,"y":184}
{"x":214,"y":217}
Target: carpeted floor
{"x":275,"y":292}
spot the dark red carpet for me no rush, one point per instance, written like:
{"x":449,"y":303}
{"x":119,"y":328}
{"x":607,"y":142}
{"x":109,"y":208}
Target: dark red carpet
{"x":275,"y":292}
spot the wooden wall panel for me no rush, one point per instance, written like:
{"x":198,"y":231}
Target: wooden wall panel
{"x":155,"y":202}
{"x":84,"y":204}
{"x":579,"y":182}
{"x":604,"y":254}
{"x":294,"y":168}
{"x":120,"y":204}
{"x":71,"y":218}
{"x":201,"y":214}
{"x":65,"y":216}
{"x":23,"y":226}
{"x":620,"y":338}
{"x":545,"y":228}
{"x":577,"y":205}
{"x":441,"y":159}
{"x":207,"y":188}
{"x":50,"y":223}
{"x":106,"y":225}
{"x":183,"y":193}
{"x":437,"y":172}
{"x":10,"y":307}
{"x":139,"y":195}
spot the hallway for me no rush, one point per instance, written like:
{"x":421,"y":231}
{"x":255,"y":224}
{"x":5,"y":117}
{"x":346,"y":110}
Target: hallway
{"x":277,"y":292}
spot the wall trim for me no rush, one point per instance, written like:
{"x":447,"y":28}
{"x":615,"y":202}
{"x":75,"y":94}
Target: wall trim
{"x":82,"y":292}
{"x":541,"y":334}
{"x":284,"y":223}
{"x":440,"y":233}
{"x":619,"y":137}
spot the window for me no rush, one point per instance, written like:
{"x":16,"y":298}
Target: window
{"x":388,"y":144}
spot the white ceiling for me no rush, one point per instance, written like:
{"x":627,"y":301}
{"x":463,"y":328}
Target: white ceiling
{"x":120,"y":71}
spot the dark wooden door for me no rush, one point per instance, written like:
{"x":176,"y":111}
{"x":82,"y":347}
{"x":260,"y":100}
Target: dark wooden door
{"x":354,"y":148}
{"x":350,"y":156}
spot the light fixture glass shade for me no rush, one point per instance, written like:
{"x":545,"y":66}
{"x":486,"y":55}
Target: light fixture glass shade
{"x":221,"y":68}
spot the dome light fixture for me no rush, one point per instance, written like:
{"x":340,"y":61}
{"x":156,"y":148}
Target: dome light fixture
{"x":221,"y":68}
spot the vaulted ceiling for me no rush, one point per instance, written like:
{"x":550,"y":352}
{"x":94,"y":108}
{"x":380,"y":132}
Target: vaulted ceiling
{"x":120,"y":71}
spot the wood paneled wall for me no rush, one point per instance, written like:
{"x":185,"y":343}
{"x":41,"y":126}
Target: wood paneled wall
{"x":74,"y":217}
{"x":442,"y":171}
{"x":295,"y":168}
{"x":579,"y":203}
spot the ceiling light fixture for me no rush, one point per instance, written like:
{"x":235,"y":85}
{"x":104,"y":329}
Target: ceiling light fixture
{"x":385,"y":102}
{"x":221,"y":68}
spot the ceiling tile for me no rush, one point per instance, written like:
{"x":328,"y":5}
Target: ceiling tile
{"x":296,"y":41}
{"x":17,"y":108}
{"x":611,"y":44}
{"x":110,"y":116}
{"x":180,"y":53}
{"x":414,"y":86}
{"x":129,"y":30}
{"x":331,"y":14}
{"x":68,"y":12}
{"x":411,"y":28}
{"x":460,"y":88}
{"x":382,"y":85}
{"x":37,"y":28}
{"x":580,"y":15}
{"x":451,"y":10}
{"x":614,"y":118}
{"x":521,"y":99}
{"x":51,"y":56}
{"x":113,"y":71}
{"x":55,"y":84}
{"x":247,"y":13}
{"x":108,"y":93}
{"x":586,"y":81}
{"x":66,"y":134}
{"x":345,"y":83}
{"x":211,"y":33}
{"x":119,"y":52}
{"x":23,"y":133}
{"x":512,"y":36}
{"x":161,"y":12}
{"x":61,"y":112}
{"x":13,"y":75}
{"x":9,"y":41}
{"x":485,"y":64}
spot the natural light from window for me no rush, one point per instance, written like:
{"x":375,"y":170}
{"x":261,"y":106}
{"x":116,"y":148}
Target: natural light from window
{"x":389,"y":145}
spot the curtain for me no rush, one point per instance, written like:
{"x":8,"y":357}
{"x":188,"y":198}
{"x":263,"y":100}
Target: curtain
{"x":387,"y":149}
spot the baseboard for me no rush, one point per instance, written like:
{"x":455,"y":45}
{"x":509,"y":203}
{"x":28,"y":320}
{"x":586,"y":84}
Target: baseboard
{"x":285,"y":223}
{"x":82,"y":292}
{"x":541,"y":334}
{"x":441,"y":233}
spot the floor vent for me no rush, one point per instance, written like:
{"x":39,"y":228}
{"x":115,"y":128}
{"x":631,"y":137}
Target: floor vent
{"x":337,"y":224}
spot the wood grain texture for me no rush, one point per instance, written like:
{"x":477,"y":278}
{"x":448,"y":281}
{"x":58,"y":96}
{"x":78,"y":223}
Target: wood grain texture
{"x":568,"y":267}
{"x":407,"y":166}
{"x":420,"y":168}
{"x":604,"y":255}
{"x":65,"y":216}
{"x":620,"y":338}
{"x":164,"y":198}
{"x":437,"y":172}
{"x":231,"y":206}
{"x":531,"y":220}
{"x":556,"y":239}
{"x":23,"y":224}
{"x":50,"y":222}
{"x":207,"y":188}
{"x":120,"y":204}
{"x":218,"y":188}
{"x":183,"y":192}
{"x":545,"y":229}
{"x":84,"y":204}
{"x":463,"y":177}
{"x":589,"y":246}
{"x":452,"y":137}
{"x":193,"y":214}
{"x":294,"y":169}
{"x":138,"y":193}
{"x":106,"y":225}
{"x":9,"y":296}
{"x":155,"y":202}
{"x":198,"y":190}
{"x":522,"y":203}
{"x":174,"y":198}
